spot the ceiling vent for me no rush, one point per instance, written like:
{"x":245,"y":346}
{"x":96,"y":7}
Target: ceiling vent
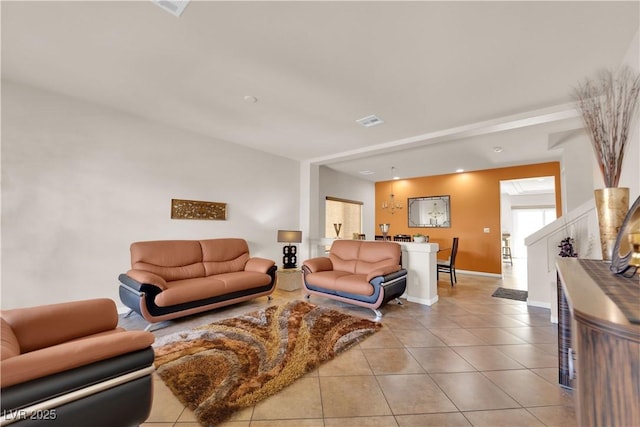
{"x":370,"y":121}
{"x":174,"y":7}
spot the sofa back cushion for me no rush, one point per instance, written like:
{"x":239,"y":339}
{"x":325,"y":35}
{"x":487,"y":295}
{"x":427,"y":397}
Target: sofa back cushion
{"x":10,"y":345}
{"x":362,"y":257}
{"x":169,"y":259}
{"x":224,"y":255}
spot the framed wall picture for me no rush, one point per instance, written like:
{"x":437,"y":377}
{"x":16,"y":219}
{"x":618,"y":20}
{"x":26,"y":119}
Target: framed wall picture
{"x":196,"y":209}
{"x":433,"y":211}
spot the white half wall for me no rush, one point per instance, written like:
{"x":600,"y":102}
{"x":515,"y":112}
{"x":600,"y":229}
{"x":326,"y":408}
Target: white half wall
{"x":80,"y":182}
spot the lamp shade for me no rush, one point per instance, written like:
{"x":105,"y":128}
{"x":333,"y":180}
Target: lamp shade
{"x":289,"y":236}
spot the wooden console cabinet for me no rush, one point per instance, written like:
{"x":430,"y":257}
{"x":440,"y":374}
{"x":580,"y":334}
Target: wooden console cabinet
{"x":606,"y":347}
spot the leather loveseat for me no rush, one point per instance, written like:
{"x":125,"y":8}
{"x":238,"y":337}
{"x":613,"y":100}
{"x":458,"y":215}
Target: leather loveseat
{"x":364,"y":273}
{"x":175,"y":278}
{"x":70,"y":365}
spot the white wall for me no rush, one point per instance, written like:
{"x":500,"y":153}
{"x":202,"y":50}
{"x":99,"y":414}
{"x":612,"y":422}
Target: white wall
{"x":81,"y":182}
{"x":337,"y":184}
{"x":506,"y":219}
{"x":577,"y":170}
{"x":630,"y":176}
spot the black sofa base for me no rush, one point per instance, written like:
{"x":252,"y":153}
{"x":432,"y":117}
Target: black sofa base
{"x":112,"y":392}
{"x":126,"y":405}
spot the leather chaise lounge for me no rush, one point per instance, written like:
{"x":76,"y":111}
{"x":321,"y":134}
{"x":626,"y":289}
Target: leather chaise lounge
{"x":70,"y":365}
{"x":364,"y":273}
{"x":174,"y":278}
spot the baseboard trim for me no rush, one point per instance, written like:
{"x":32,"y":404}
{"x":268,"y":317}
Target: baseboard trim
{"x":423,"y":301}
{"x":540,"y":304}
{"x":478,"y":273}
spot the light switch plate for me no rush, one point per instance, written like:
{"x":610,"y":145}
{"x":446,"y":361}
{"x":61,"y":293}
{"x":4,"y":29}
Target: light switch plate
{"x":487,"y":230}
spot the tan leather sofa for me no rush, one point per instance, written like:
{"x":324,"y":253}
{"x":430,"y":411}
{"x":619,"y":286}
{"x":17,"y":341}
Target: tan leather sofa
{"x":364,"y":273}
{"x":175,"y":278}
{"x":70,"y":365}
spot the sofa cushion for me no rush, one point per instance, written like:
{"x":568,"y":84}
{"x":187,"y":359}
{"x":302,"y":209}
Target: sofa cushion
{"x":362,"y":257}
{"x":189,"y":290}
{"x":344,"y":255}
{"x":224,"y":255}
{"x":354,"y":284}
{"x":377,"y":255}
{"x":340,"y":281}
{"x":169,"y":259}
{"x":10,"y":346}
{"x":242,"y":280}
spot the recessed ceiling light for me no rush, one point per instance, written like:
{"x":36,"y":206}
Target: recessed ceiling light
{"x":250,"y":99}
{"x":367,"y":172}
{"x":459,"y":170}
{"x":370,"y":121}
{"x":174,"y":7}
{"x":497,"y":149}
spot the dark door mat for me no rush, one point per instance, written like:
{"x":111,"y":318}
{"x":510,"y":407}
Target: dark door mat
{"x":510,"y":294}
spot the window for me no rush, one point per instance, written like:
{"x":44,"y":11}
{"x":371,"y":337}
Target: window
{"x":345,"y":212}
{"x":527,"y":221}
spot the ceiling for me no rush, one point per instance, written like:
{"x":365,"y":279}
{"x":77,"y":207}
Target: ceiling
{"x":451,"y":80}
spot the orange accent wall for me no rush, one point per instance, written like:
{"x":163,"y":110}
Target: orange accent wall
{"x":475,"y":205}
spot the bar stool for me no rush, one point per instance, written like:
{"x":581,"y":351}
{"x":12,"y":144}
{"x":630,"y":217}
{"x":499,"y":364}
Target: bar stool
{"x":506,"y":248}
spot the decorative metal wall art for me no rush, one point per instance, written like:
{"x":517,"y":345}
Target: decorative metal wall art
{"x":194,"y":209}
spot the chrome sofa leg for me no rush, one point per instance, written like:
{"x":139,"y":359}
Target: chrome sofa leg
{"x":399,"y":301}
{"x":155,"y":326}
{"x":378,"y":314}
{"x":129,"y":313}
{"x":308,"y":296}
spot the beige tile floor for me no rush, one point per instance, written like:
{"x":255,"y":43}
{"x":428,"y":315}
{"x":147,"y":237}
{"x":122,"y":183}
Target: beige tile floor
{"x":468,"y":360}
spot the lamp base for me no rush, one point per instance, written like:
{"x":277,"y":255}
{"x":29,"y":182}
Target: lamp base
{"x":289,"y":259}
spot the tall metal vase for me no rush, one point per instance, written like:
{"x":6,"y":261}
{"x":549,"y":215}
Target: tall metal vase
{"x":612,"y":205}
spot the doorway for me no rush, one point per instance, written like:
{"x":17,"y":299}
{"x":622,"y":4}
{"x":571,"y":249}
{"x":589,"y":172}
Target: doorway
{"x":526,"y":205}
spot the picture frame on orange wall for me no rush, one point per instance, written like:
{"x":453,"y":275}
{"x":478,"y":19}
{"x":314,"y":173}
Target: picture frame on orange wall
{"x":431,"y":211}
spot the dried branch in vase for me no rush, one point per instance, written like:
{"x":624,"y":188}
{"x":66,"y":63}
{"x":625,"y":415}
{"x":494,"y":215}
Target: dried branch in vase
{"x":609,"y":106}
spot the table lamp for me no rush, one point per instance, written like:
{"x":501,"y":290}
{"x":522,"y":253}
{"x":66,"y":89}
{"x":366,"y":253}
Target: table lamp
{"x":289,"y":259}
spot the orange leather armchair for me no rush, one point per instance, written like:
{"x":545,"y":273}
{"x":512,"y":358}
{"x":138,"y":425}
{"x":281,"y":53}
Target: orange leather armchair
{"x":69,"y":364}
{"x":364,"y":273}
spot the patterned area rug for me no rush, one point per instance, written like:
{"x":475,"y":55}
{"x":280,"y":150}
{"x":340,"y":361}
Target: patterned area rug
{"x":219,"y":368}
{"x":510,"y":294}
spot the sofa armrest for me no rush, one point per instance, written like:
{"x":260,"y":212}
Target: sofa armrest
{"x":146,"y":278}
{"x":70,"y":355}
{"x":318,"y":264}
{"x":47,"y":325}
{"x":382,"y":271}
{"x":259,"y":265}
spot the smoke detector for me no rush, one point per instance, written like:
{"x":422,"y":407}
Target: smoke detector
{"x":174,"y":7}
{"x":370,"y":121}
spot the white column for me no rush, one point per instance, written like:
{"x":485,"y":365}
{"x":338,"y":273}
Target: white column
{"x":419,"y":259}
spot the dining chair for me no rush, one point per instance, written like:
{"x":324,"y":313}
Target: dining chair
{"x":401,"y":238}
{"x":449,"y":265}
